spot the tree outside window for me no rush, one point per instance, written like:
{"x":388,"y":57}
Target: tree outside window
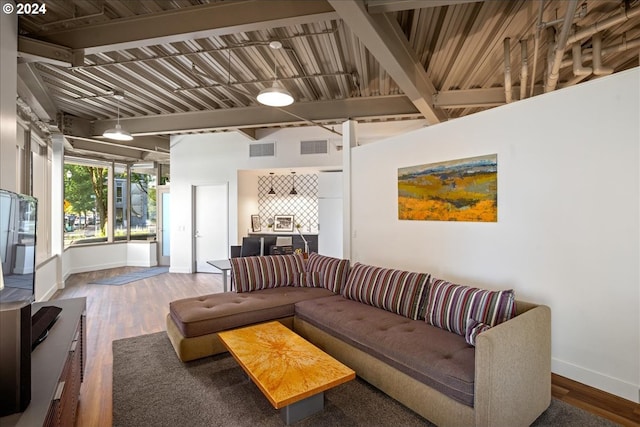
{"x":85,"y":202}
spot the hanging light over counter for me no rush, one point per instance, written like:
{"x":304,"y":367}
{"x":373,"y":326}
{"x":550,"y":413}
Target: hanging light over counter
{"x":271,"y":190}
{"x":293,"y":191}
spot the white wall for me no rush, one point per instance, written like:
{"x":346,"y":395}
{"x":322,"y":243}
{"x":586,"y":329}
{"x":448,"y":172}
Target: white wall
{"x":224,"y":158}
{"x":11,"y":142}
{"x":46,"y":283}
{"x":568,"y":218}
{"x":82,"y":258}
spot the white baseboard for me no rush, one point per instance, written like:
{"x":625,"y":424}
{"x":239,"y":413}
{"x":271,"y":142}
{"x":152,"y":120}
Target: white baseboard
{"x":47,"y":295}
{"x":142,"y":264}
{"x":179,"y":270}
{"x":603,"y":382}
{"x":95,"y":267}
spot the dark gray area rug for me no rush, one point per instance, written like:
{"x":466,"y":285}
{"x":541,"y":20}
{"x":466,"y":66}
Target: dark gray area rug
{"x":151,"y":387}
{"x":123,"y":279}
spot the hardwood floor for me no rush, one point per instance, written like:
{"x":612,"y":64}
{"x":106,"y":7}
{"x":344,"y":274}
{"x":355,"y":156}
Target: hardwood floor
{"x":614,"y":408}
{"x":115,"y":312}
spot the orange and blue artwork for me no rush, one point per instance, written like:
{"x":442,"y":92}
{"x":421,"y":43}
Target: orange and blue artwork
{"x":455,"y":190}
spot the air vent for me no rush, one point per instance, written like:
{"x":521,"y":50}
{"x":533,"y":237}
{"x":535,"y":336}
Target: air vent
{"x":267,"y":149}
{"x":314,"y":147}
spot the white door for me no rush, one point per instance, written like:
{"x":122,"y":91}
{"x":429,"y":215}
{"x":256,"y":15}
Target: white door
{"x":211,"y":237}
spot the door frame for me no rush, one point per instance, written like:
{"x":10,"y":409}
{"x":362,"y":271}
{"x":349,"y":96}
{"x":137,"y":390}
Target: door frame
{"x":160,"y":191}
{"x":194,"y":222}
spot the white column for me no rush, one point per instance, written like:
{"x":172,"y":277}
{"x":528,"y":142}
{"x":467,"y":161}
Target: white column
{"x":349,"y":140}
{"x":57,"y":194}
{"x":111,"y":213}
{"x":127,"y":214}
{"x":8,"y":91}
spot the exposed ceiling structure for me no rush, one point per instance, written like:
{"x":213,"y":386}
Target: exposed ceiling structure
{"x":190,"y":66}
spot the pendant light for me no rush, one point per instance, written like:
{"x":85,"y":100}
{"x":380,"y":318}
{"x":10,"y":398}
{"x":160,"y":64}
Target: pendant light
{"x":117,"y":133}
{"x":276,"y":95}
{"x":293,"y":191}
{"x":271,"y":190}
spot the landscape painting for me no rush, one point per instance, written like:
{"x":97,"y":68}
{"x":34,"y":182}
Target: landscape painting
{"x":456,"y":190}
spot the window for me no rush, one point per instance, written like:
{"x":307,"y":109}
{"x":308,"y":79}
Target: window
{"x":119,"y":185}
{"x":85,"y":203}
{"x":121,"y":202}
{"x":143,"y":202}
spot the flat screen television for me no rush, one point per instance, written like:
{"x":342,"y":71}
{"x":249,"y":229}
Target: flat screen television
{"x":17,"y":248}
{"x":17,"y":292}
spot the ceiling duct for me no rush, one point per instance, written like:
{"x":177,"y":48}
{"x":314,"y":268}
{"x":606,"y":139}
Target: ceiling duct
{"x":267,"y":149}
{"x":314,"y":147}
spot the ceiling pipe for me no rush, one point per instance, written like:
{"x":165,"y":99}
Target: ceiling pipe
{"x":508,"y":95}
{"x":604,"y":24}
{"x":558,"y":52}
{"x":598,"y":68}
{"x":525,"y":68}
{"x":536,"y":47}
{"x":579,"y":15}
{"x":587,"y":54}
{"x":576,"y":54}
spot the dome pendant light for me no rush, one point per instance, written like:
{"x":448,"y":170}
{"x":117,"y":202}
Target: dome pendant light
{"x":293,"y":191}
{"x":117,"y":133}
{"x":276,"y":95}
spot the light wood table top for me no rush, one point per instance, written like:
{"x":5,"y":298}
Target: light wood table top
{"x":286,"y":367}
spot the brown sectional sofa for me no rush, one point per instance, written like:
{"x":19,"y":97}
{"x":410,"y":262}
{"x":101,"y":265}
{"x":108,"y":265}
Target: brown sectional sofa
{"x":504,"y":380}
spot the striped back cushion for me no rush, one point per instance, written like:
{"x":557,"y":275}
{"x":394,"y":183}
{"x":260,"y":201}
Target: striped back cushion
{"x":450,"y":306}
{"x":263,"y":272}
{"x":326,"y":272}
{"x":397,"y":291}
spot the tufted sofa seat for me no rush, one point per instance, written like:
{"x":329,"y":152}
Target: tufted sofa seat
{"x":431,"y":355}
{"x":193,"y":323}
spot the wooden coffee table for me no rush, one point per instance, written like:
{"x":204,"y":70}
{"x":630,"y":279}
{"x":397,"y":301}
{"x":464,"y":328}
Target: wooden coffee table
{"x":290,"y":371}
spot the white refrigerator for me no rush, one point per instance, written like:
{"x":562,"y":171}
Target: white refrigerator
{"x":330,"y":241}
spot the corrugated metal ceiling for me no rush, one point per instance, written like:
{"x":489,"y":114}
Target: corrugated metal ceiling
{"x":187,"y":78}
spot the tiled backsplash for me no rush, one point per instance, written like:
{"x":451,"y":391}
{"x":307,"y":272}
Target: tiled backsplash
{"x":303,"y":206}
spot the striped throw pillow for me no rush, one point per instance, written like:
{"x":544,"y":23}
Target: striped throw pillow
{"x":450,"y":306}
{"x":326,"y":272}
{"x":264,"y":272}
{"x":474,"y":328}
{"x":397,"y":291}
